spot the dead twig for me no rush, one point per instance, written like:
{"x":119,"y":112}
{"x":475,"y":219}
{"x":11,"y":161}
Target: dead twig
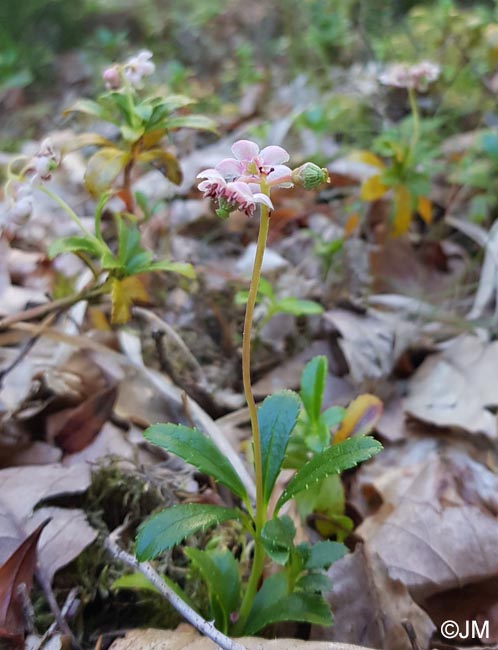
{"x":49,"y":308}
{"x":206,"y":628}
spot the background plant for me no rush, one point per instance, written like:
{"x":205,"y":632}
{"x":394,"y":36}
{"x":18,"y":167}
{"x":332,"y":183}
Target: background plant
{"x":144,"y":121}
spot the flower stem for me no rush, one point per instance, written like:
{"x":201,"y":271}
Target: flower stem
{"x":260,"y":516}
{"x":68,"y":210}
{"x":415,"y":117}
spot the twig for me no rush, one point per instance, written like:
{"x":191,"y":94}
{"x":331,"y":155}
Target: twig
{"x":25,"y":349}
{"x":49,"y":307}
{"x":72,"y":597}
{"x":44,"y":582}
{"x":205,"y":627}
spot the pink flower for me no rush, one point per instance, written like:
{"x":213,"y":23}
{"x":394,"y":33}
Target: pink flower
{"x":139,"y":66}
{"x":232,"y":195}
{"x":112,"y":77}
{"x":418,"y":77}
{"x":254,"y":166}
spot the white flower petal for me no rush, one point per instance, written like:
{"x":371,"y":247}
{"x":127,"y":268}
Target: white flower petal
{"x":230,"y":168}
{"x":245,"y":149}
{"x":274,"y":155}
{"x":280,"y":174}
{"x":263,"y":198}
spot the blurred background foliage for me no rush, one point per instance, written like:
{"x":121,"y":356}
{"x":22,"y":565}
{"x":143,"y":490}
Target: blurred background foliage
{"x":215,"y":49}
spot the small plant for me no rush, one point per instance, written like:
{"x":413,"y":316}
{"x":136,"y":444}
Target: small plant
{"x":405,"y":174}
{"x":143,"y":123}
{"x":316,"y":429}
{"x":477,"y":169}
{"x":244,"y":601}
{"x":114,"y":271}
{"x":274,"y":305}
{"x":118,"y":263}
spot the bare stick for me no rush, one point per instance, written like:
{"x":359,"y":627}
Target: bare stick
{"x":206,"y":628}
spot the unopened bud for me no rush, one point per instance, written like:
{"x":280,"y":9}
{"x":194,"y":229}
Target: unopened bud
{"x":112,"y":77}
{"x":224,"y":209}
{"x":310,"y":176}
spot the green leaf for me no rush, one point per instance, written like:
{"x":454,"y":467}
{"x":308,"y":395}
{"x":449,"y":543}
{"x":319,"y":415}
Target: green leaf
{"x":103,"y":168}
{"x":131,"y":256}
{"x":323,"y":554}
{"x":198,"y":122}
{"x":131,"y":134}
{"x":182,"y":268}
{"x":195,"y":448}
{"x":265,"y":289}
{"x":276,"y":417}
{"x":89,"y":107}
{"x":164,"y":107}
{"x":318,"y":435}
{"x":334,"y":415}
{"x":272,"y":604}
{"x":138,"y":582}
{"x":171,"y":526}
{"x":314,"y":582}
{"x":277,"y":536}
{"x":298,"y":307}
{"x":220,"y":572}
{"x":75,"y":244}
{"x":489,"y":144}
{"x":336,"y":459}
{"x":143,"y":111}
{"x":313,"y":385}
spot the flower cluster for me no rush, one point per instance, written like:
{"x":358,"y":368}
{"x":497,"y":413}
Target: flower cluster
{"x":131,"y":72}
{"x":37,"y":170}
{"x":417,"y":77}
{"x":241,"y":182}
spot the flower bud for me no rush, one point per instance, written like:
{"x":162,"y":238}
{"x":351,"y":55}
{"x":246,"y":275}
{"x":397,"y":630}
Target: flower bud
{"x":310,"y":176}
{"x":224,"y":209}
{"x":112,"y":77}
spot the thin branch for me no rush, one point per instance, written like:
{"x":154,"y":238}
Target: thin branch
{"x":205,"y":627}
{"x":49,"y":307}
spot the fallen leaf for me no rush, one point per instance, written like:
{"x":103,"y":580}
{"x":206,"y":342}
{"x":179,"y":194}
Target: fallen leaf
{"x":16,"y":573}
{"x":74,"y":429}
{"x":456,"y":387}
{"x":438,"y":525}
{"x":186,"y":637}
{"x":369,"y":606}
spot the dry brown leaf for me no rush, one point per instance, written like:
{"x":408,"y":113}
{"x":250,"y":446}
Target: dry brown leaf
{"x":185,"y":637}
{"x":437,"y":527}
{"x":369,"y":606}
{"x":456,"y":387}
{"x":371,"y":342}
{"x":68,"y":532}
{"x":74,"y":429}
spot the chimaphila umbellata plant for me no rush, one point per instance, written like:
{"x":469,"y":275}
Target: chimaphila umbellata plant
{"x":144,"y":121}
{"x":316,"y":429}
{"x":405,"y":173}
{"x":115,"y":266}
{"x":242,"y":602}
{"x":278,"y":305}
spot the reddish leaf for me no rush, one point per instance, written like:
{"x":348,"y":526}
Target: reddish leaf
{"x":18,"y":570}
{"x":75,"y":428}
